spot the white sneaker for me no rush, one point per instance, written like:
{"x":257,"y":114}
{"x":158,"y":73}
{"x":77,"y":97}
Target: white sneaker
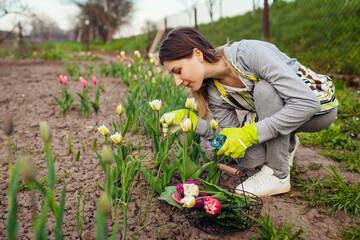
{"x":264,"y":183}
{"x":291,"y":154}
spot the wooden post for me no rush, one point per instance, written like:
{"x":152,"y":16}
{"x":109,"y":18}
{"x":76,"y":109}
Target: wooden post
{"x":266,"y":20}
{"x":21,"y":40}
{"x":195,"y":15}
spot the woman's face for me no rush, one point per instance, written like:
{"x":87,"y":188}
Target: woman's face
{"x":189,"y":72}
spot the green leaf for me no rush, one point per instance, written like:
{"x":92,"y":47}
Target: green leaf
{"x":69,"y":142}
{"x":191,"y":168}
{"x":59,"y":219}
{"x":113,"y":125}
{"x":200,"y":170}
{"x":153,"y":181}
{"x":166,"y":196}
{"x":77,"y":156}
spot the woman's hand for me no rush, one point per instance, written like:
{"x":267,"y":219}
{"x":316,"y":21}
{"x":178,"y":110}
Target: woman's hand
{"x":238,"y":140}
{"x":171,"y":120}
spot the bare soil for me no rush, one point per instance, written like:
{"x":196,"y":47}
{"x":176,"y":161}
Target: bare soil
{"x":24,"y":93}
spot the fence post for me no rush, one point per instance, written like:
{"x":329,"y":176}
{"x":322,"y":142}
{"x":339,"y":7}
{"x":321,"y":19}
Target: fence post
{"x":266,"y":20}
{"x":195,"y":13}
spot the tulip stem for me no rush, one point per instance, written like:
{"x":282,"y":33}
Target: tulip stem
{"x":185,"y":156}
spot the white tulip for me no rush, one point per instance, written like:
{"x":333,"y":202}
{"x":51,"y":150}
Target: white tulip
{"x":103,"y":130}
{"x":116,"y":138}
{"x":214,"y":124}
{"x":156,"y":105}
{"x":119,"y":109}
{"x":186,"y":125}
{"x":169,"y":118}
{"x":188,"y":202}
{"x":191,"y":190}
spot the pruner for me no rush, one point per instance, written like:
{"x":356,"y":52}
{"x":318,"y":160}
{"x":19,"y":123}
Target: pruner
{"x":217,"y":143}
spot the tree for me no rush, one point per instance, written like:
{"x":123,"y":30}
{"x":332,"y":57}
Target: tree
{"x":106,"y":15}
{"x":13,"y":7}
{"x":211,"y":9}
{"x":44,"y":28}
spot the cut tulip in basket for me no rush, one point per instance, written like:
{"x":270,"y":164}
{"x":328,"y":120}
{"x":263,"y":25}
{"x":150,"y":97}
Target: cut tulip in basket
{"x":213,"y":209}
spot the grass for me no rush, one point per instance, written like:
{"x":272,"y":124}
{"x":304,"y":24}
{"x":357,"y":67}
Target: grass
{"x":268,"y":230}
{"x":333,"y":192}
{"x":341,"y":141}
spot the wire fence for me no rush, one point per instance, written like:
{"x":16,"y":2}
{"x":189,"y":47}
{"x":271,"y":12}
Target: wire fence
{"x":322,"y":34}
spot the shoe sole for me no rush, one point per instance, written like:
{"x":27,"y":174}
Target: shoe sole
{"x":277,"y":191}
{"x":292,"y":154}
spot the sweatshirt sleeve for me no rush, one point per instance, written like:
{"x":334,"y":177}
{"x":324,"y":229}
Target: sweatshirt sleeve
{"x":221,"y":110}
{"x":300,"y":103}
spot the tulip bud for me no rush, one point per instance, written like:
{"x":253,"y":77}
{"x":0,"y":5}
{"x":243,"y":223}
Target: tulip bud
{"x":27,"y":169}
{"x":105,"y":205}
{"x":106,"y":154}
{"x":65,"y":80}
{"x":119,"y":109}
{"x":189,"y":102}
{"x":186,"y":125}
{"x":103,"y":130}
{"x":122,"y":53}
{"x":137,"y":53}
{"x":118,"y":57}
{"x":195,"y":106}
{"x":61,"y":79}
{"x":116,"y":138}
{"x":156,"y":105}
{"x":45,"y":132}
{"x":169,"y":118}
{"x":94,"y":80}
{"x":214,"y":124}
{"x":8,"y":124}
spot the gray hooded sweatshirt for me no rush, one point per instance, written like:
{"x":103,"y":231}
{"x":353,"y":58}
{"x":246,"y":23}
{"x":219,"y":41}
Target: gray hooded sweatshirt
{"x":266,"y":62}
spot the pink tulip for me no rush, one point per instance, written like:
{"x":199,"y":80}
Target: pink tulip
{"x":212,"y":205}
{"x":112,"y":60}
{"x":65,"y":80}
{"x":135,"y":77}
{"x":94,"y":80}
{"x":180,"y":190}
{"x":105,"y":63}
{"x":82,"y":82}
{"x":149,"y":73}
{"x":61,"y":79}
{"x":177,"y":198}
{"x":124,"y":58}
{"x":118,"y":57}
{"x":131,"y":61}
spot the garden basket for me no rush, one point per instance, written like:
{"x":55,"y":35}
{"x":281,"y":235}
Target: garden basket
{"x":233,"y":218}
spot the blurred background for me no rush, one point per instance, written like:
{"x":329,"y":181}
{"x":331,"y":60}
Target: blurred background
{"x":322,"y":34}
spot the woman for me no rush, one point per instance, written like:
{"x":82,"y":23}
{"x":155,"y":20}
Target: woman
{"x":280,"y":95}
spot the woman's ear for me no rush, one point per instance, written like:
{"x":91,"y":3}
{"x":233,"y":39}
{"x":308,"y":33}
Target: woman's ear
{"x":198,"y":54}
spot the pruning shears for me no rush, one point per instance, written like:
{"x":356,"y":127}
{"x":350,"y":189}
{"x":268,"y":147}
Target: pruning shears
{"x":216,"y":143}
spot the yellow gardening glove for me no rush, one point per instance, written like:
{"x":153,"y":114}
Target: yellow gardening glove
{"x":171,"y":120}
{"x":238,"y":140}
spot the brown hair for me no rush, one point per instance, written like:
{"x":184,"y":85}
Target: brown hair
{"x":179,"y":44}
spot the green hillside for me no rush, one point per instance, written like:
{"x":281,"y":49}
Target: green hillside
{"x":322,"y":34}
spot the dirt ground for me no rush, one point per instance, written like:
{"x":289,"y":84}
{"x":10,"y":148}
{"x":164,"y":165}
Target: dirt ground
{"x":24,"y":93}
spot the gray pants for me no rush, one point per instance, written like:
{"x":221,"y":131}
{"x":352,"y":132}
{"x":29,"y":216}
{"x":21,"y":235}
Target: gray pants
{"x":274,"y":152}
